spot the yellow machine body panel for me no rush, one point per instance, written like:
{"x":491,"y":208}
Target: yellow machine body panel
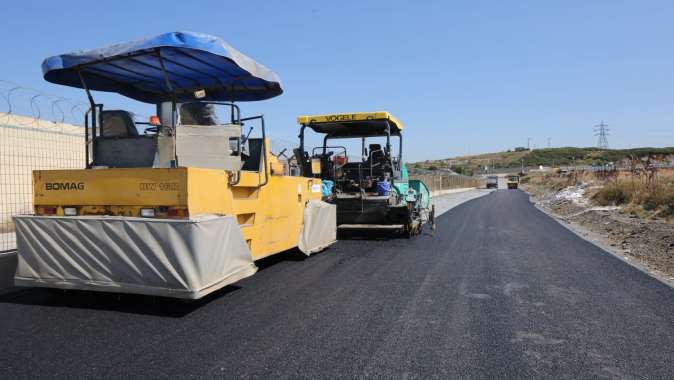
{"x":270,"y":216}
{"x":96,"y":187}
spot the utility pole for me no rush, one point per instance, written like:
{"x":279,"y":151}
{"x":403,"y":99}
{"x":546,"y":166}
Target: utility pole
{"x":528,"y":143}
{"x":522,"y":170}
{"x":601,"y":130}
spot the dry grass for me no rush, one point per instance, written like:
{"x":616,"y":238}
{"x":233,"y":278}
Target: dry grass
{"x":643,"y":193}
{"x":650,"y":194}
{"x":549,"y":181}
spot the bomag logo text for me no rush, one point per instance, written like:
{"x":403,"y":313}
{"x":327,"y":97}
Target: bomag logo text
{"x":64,"y":186}
{"x":340,"y":117}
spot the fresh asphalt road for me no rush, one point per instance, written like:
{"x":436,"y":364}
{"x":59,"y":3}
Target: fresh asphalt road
{"x":499,"y":291}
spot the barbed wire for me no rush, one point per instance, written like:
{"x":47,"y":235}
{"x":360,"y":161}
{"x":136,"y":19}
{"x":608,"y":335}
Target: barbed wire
{"x":19,"y":100}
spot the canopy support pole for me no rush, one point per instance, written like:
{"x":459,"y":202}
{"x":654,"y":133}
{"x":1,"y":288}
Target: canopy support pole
{"x":388,"y":151}
{"x":400,"y":152}
{"x":303,"y":164}
{"x":174,"y":110}
{"x":388,"y":140}
{"x":92,"y":108}
{"x":167,"y":81}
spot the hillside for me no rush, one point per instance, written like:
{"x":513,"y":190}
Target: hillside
{"x":546,"y":157}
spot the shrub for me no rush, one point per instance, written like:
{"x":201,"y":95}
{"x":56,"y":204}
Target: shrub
{"x":642,"y":196}
{"x":615,"y":193}
{"x":662,"y":199}
{"x":463,"y":170}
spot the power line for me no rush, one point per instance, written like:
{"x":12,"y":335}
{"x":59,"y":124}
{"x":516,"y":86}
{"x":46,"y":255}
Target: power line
{"x":602,"y":131}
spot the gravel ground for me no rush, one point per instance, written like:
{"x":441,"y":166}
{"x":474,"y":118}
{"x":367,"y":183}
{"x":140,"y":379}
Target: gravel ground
{"x":647,"y":244}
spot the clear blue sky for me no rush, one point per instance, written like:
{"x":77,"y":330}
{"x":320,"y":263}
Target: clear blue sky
{"x":464,"y":76}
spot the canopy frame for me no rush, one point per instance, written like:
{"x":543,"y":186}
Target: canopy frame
{"x":91,"y":116}
{"x":152,"y":70}
{"x":392,"y":127}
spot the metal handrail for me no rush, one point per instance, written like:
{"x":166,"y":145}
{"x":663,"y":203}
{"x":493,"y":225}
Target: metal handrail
{"x":264,"y":147}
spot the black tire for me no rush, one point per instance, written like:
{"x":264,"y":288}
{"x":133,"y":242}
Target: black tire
{"x":410,"y":230}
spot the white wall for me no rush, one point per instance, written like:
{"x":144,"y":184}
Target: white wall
{"x":27,"y":144}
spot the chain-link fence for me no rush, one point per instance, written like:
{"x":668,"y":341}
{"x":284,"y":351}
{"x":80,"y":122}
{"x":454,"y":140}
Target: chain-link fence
{"x":438,"y":182}
{"x":47,"y":139}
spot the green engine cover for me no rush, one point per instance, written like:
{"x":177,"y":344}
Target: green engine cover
{"x":402,"y":186}
{"x":421,"y":189}
{"x":412,"y":190}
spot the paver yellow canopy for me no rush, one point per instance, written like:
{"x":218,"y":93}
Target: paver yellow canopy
{"x":181,"y":206}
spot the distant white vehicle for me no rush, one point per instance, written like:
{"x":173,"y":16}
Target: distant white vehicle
{"x":492,"y":182}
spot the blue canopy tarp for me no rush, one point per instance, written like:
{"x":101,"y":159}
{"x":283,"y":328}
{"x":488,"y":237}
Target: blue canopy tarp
{"x":192,"y":61}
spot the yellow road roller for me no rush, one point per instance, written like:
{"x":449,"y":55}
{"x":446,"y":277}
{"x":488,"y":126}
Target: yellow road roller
{"x":182,"y":204}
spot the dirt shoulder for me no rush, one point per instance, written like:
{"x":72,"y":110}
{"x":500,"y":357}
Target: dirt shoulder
{"x":645,"y":243}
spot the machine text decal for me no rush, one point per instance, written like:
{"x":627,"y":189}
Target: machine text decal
{"x":64,"y":186}
{"x":340,"y":117}
{"x":161,"y":186}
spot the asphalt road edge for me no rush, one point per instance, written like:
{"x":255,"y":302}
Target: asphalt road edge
{"x":445,"y":202}
{"x":608,"y":249}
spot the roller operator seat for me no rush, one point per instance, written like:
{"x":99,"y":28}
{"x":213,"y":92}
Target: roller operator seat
{"x":117,"y":123}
